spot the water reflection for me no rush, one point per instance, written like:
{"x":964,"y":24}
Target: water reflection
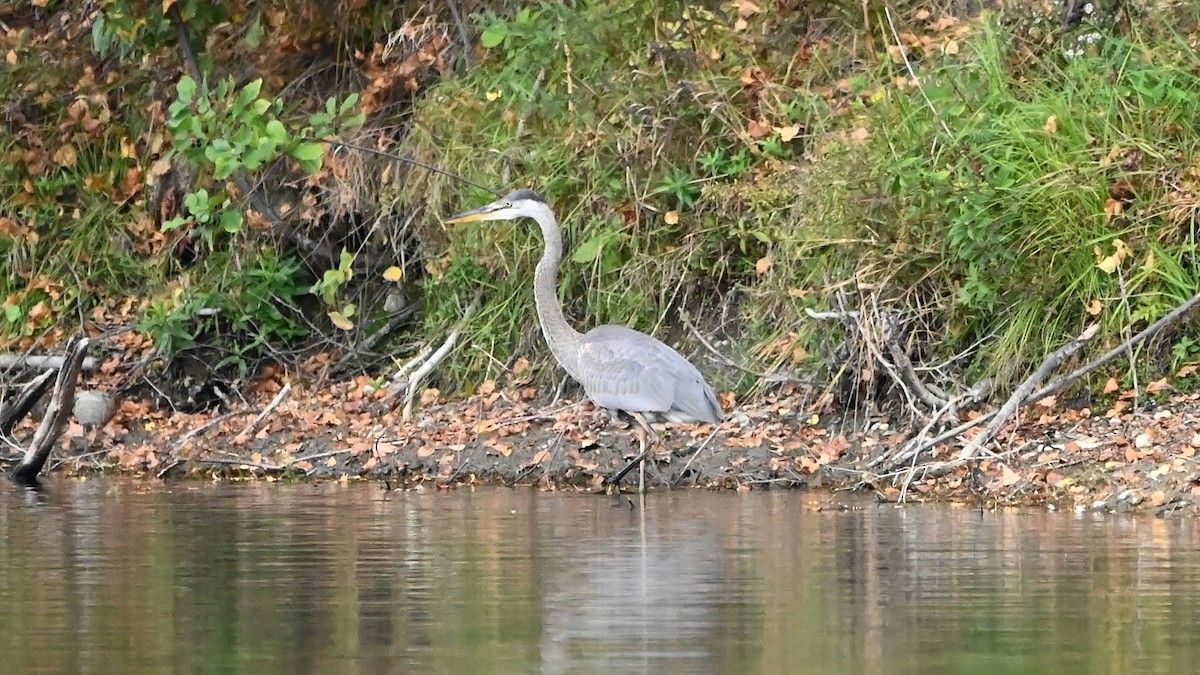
{"x":118,"y":577}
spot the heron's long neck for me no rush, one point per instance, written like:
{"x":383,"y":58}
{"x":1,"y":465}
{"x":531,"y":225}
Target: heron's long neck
{"x":562,"y":338}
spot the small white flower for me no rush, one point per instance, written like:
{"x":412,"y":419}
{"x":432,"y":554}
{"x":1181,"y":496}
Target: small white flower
{"x":1089,"y":8}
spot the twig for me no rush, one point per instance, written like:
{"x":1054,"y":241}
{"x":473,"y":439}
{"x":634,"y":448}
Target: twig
{"x":833,"y":316}
{"x":279,"y":398}
{"x":436,"y":358}
{"x":913,"y":74}
{"x":1054,"y":360}
{"x":766,"y":377}
{"x":183,"y":441}
{"x":693,"y":458}
{"x":239,"y":462}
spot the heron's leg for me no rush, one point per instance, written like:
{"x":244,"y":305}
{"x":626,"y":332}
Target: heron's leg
{"x":646,"y":440}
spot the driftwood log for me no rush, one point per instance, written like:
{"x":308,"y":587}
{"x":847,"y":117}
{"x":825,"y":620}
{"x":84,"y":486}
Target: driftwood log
{"x":62,"y":401}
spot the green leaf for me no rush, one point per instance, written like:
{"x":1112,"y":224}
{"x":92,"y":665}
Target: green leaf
{"x":231,"y":221}
{"x":173,"y":223}
{"x":250,"y":92}
{"x":589,"y":251}
{"x":348,"y":104}
{"x":493,"y":36}
{"x":12,"y":313}
{"x":277,"y":132}
{"x":308,"y":152}
{"x":186,"y":88}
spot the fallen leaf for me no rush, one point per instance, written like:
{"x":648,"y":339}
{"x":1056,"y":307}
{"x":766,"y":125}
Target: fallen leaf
{"x":1095,"y":307}
{"x":393,"y":273}
{"x":1112,"y":208}
{"x":763,"y":264}
{"x":1157,"y":386}
{"x":1051,"y":125}
{"x":746,"y":9}
{"x":671,"y":217}
{"x":1111,"y":385}
{"x":340,"y":320}
{"x":520,"y":366}
{"x":757,"y":129}
{"x":1008,"y":477}
{"x":860,"y":134}
{"x":425,"y":450}
{"x":1158,"y":498}
{"x":1048,"y":402}
{"x":788,"y":133}
{"x":951,"y":48}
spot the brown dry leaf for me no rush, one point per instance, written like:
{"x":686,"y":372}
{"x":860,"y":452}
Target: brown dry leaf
{"x":671,"y":217}
{"x":487,"y":387}
{"x":520,"y":366}
{"x":1008,"y":477}
{"x":430,"y":395}
{"x":897,"y":53}
{"x":1051,"y":125}
{"x":757,"y":129}
{"x":1095,"y":307}
{"x":951,"y":48}
{"x":860,"y":134}
{"x":66,"y":156}
{"x":540,"y":457}
{"x":1111,"y":385}
{"x":1112,"y":208}
{"x":921,"y":14}
{"x":338,"y":319}
{"x":425,"y":450}
{"x":1186,"y":370}
{"x":1158,"y":498}
{"x":943,"y":23}
{"x":746,"y":9}
{"x":1157,"y":386}
{"x":788,"y":133}
{"x":1048,"y":402}
{"x":763,"y":264}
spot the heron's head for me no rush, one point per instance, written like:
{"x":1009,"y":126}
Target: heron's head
{"x":516,"y":204}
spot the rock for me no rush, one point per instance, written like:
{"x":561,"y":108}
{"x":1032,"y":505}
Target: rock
{"x":93,"y":408}
{"x":1143,"y":441}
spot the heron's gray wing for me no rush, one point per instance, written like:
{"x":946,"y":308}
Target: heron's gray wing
{"x":623,"y":369}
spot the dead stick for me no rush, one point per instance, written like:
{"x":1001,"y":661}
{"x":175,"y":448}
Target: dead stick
{"x":1054,"y":360}
{"x":279,"y":398}
{"x":55,"y":419}
{"x":435,"y":359}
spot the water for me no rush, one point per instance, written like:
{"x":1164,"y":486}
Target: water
{"x":101,"y":577}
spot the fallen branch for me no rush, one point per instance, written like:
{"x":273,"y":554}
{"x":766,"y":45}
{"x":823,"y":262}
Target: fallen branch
{"x":435,"y":358}
{"x":61,"y":403}
{"x":1054,"y":360}
{"x":279,"y":398}
{"x":10,"y":361}
{"x":1056,"y":385}
{"x":15,"y":411}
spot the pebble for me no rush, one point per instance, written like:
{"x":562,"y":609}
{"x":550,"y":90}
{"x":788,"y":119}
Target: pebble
{"x":1143,"y":441}
{"x":1195,"y":442}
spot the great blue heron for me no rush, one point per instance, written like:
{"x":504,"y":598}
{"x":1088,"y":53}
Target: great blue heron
{"x":619,"y":368}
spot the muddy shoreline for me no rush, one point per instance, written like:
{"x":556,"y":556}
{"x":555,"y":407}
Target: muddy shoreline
{"x":1125,"y":458}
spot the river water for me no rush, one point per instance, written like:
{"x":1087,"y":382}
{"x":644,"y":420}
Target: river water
{"x":118,"y":577}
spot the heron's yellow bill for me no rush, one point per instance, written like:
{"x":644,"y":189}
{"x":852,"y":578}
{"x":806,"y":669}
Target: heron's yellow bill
{"x":473,"y":215}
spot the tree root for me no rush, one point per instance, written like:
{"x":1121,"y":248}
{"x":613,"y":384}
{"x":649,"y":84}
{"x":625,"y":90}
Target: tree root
{"x":61,"y":403}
